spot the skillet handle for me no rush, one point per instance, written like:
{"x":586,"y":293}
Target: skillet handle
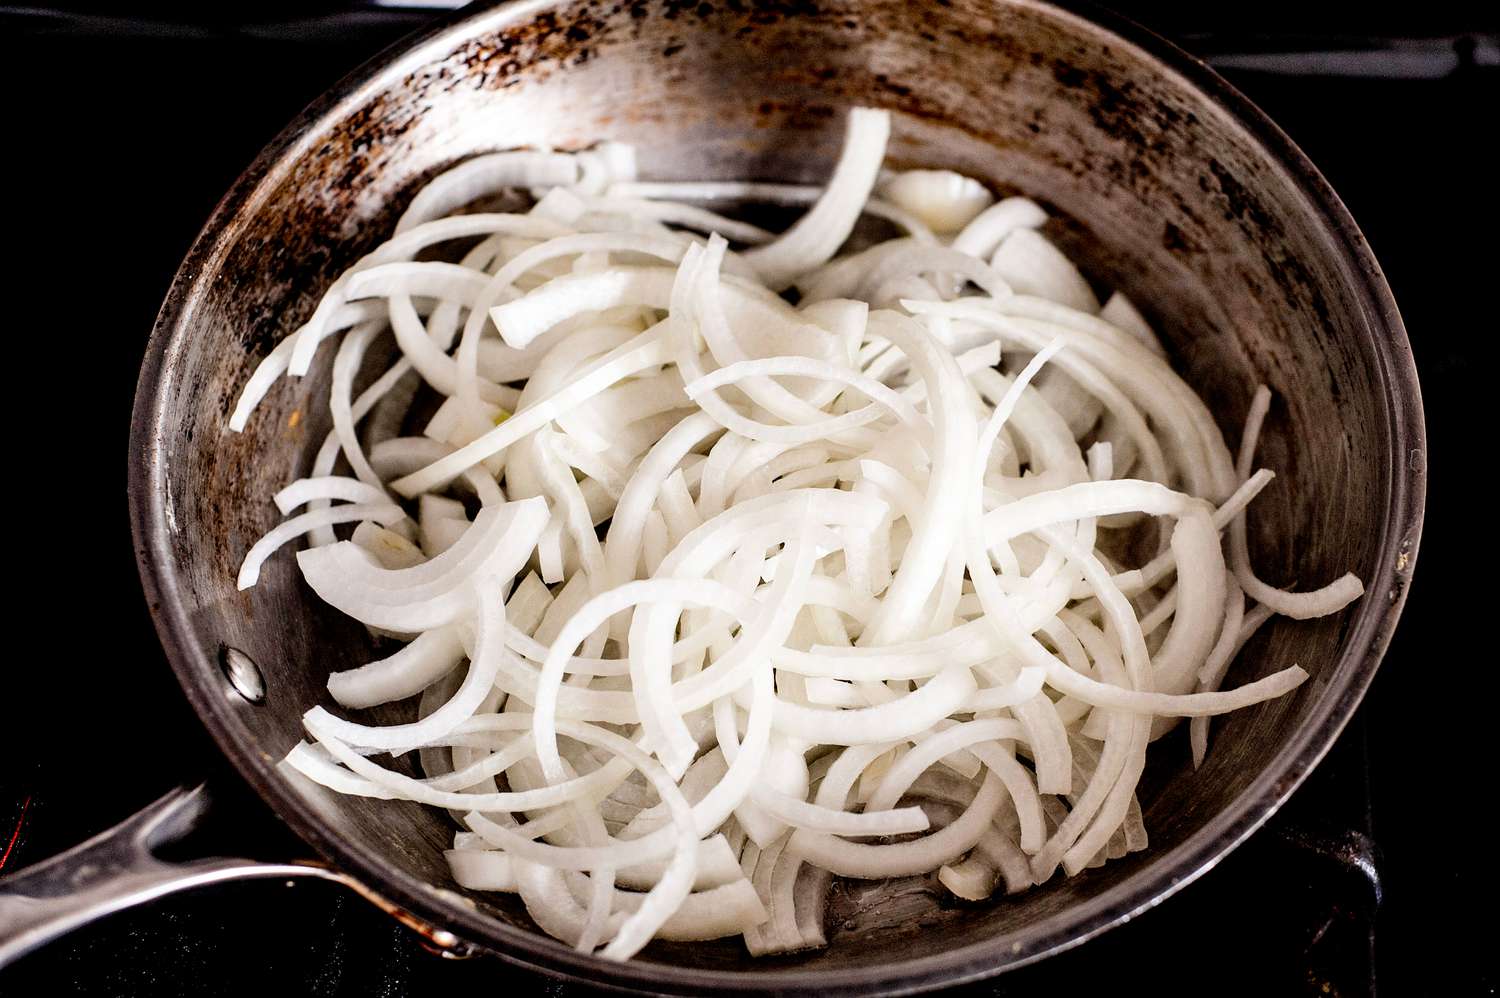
{"x":118,"y":869}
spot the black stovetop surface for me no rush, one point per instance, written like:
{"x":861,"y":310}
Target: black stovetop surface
{"x":127,"y":124}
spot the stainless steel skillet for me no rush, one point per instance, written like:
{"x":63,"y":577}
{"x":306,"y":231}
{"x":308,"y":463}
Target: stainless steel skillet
{"x":1170,"y":186}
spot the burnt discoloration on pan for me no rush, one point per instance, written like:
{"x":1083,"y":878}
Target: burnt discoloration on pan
{"x":1162,"y":180}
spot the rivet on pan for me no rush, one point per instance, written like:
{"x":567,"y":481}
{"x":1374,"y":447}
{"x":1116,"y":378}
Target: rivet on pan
{"x":243,"y":674}
{"x":446,"y":945}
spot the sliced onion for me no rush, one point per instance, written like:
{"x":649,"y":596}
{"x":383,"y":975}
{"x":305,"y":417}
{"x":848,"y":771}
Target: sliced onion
{"x":411,"y":670}
{"x":1299,"y":606}
{"x":817,"y":235}
{"x":384,"y":513}
{"x":945,"y":200}
{"x":761,"y":581}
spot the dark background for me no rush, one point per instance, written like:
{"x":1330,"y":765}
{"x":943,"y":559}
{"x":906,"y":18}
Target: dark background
{"x":124,"y":123}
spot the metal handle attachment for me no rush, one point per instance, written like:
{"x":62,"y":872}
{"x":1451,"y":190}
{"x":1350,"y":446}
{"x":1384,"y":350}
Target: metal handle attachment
{"x":118,"y":869}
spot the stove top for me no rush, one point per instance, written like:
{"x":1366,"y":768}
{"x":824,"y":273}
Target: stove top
{"x":128,"y":124}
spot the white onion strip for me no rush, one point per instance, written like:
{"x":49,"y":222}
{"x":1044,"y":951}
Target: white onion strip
{"x":817,"y":235}
{"x":1299,"y":606}
{"x":383,"y":513}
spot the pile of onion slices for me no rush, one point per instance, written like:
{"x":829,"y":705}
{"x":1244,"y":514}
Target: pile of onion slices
{"x":715,"y":563}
